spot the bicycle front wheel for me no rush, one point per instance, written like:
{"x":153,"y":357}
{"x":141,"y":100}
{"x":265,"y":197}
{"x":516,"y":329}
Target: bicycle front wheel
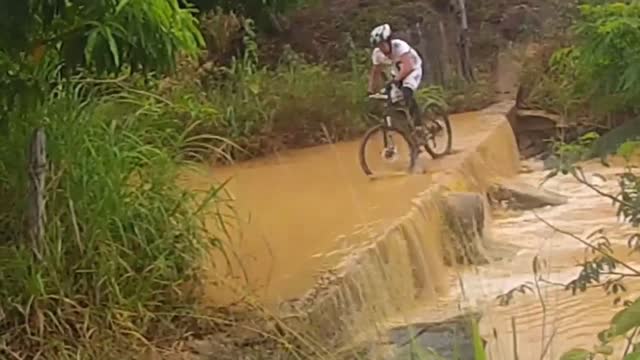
{"x":386,"y":149}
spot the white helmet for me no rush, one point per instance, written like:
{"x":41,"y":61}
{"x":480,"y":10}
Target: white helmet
{"x":379,"y":34}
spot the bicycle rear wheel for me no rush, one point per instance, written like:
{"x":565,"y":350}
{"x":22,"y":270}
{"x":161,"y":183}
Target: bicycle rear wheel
{"x":396,"y":153}
{"x":438,"y":138}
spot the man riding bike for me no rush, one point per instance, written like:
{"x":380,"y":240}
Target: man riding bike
{"x":405,"y":65}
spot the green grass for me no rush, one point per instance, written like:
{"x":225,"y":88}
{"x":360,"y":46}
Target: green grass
{"x":478,"y":348}
{"x":123,"y":241}
{"x":263,"y":109}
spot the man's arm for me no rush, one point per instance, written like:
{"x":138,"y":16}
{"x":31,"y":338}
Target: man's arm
{"x":406,"y":66}
{"x":374,"y":78}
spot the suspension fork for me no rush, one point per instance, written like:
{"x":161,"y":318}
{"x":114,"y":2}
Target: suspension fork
{"x":387,"y":125}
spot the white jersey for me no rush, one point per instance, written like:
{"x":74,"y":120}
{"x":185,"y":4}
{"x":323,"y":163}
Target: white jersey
{"x":398,"y":48}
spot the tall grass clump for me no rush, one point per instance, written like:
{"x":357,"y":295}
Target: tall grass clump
{"x":122,"y":240}
{"x":297,"y":104}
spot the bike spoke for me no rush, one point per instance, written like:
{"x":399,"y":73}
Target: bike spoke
{"x":438,"y":139}
{"x":387,"y":151}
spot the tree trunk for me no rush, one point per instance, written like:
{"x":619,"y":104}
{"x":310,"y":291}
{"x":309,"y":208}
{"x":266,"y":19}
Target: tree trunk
{"x":464,"y":44}
{"x":37,"y":197}
{"x":428,"y":63}
{"x":444,"y":53}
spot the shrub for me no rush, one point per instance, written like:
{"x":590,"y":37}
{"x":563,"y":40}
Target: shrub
{"x":262,"y":109}
{"x":598,"y":74}
{"x":122,"y":240}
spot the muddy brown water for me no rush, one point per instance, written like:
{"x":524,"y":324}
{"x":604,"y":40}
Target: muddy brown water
{"x":569,"y":321}
{"x":301,"y":211}
{"x":296,"y":208}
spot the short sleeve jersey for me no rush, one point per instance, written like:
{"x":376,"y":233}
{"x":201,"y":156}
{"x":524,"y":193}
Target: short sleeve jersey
{"x":398,"y":48}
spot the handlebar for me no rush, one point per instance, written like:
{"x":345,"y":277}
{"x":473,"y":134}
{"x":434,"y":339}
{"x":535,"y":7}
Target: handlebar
{"x":385,"y":92}
{"x":379,"y":96}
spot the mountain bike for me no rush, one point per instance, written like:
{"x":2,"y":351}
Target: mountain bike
{"x":435,"y":122}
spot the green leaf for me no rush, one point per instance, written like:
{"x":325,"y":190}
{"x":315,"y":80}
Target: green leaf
{"x":91,"y":44}
{"x":627,"y":148}
{"x":625,"y":320}
{"x":478,"y":347}
{"x":632,"y":356}
{"x":121,"y":5}
{"x":577,"y":354}
{"x":112,"y":46}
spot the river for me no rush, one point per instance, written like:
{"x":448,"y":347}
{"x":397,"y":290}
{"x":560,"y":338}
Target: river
{"x":293,"y":209}
{"x":297,"y":213}
{"x":569,"y":321}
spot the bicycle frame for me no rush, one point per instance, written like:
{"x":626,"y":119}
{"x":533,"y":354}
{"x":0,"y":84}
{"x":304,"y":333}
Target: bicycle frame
{"x":390,"y":106}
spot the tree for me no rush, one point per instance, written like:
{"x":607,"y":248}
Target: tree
{"x":604,"y":62}
{"x":101,"y":37}
{"x":464,"y":41}
{"x":263,"y":12}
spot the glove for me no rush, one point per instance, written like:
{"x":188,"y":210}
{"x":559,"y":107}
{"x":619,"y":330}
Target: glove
{"x":390,"y":84}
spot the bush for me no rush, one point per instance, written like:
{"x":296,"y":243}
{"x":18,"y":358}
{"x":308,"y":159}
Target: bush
{"x":598,"y":75}
{"x":605,"y":59}
{"x":261,"y":110}
{"x":264,"y":12}
{"x":122,"y":240}
{"x":545,"y":84}
{"x":103,"y":37}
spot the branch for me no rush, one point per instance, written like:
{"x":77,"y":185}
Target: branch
{"x":587,"y":244}
{"x":583,"y":180}
{"x":536,"y":269}
{"x":630,"y":342}
{"x":590,"y":286}
{"x":548,"y":345}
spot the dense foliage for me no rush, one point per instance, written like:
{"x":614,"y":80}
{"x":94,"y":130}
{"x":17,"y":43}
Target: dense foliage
{"x":598,"y":71}
{"x":102,"y":37}
{"x":605,"y":61}
{"x":264,"y":12}
{"x":122,"y":242}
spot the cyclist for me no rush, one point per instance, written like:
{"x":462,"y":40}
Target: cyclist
{"x":405,"y":65}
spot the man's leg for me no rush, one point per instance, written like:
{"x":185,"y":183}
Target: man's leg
{"x":414,"y":109}
{"x":409,"y":88}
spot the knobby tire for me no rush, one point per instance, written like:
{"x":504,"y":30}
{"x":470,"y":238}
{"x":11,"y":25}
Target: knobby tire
{"x":382,"y":129}
{"x":441,"y":114}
